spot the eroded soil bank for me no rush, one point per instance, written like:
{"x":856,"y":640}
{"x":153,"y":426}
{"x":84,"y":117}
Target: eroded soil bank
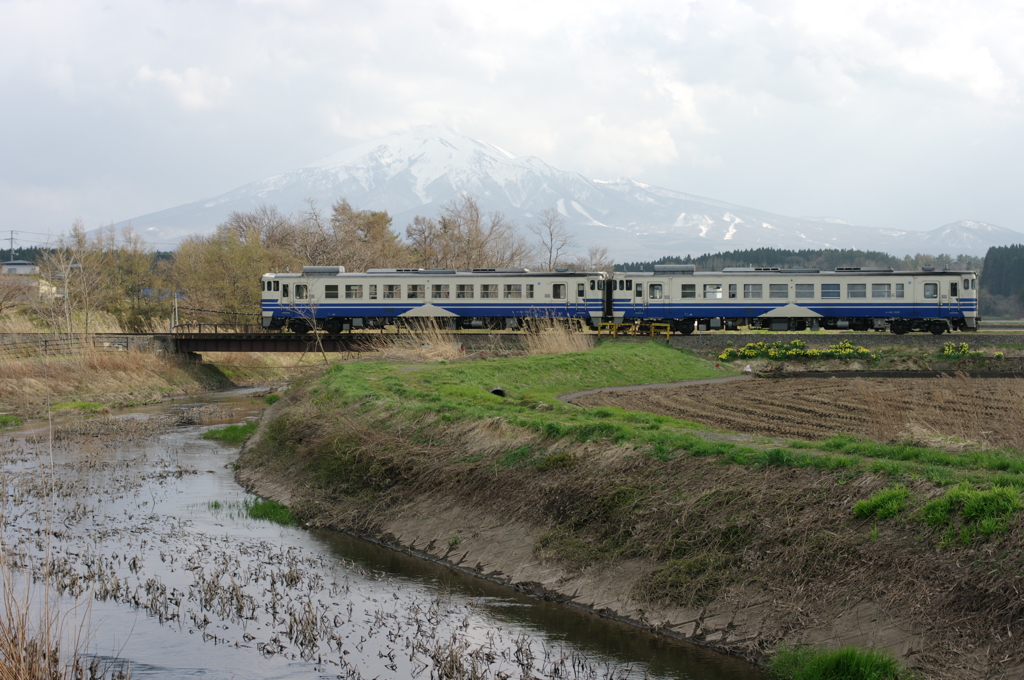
{"x":741,"y":558}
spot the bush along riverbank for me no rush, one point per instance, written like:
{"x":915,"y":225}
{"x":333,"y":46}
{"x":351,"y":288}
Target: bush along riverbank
{"x":745,"y":544}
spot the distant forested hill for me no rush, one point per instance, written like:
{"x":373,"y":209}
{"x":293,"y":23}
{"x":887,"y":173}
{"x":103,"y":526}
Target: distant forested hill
{"x":816,"y":259}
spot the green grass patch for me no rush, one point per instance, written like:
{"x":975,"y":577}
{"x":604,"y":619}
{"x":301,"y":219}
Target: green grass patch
{"x":883,"y":504}
{"x":232,"y":433}
{"x":270,"y":511}
{"x":969,"y":513}
{"x":9,"y":421}
{"x":848,"y":663}
{"x":87,"y":406}
{"x":271,"y":399}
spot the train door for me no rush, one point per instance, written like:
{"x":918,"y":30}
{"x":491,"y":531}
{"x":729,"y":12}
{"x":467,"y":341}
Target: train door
{"x":560,"y":299}
{"x":657,"y":292}
{"x":932,"y":296}
{"x":954,"y":298}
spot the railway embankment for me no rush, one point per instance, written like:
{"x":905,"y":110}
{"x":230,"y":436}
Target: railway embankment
{"x":741,"y":541}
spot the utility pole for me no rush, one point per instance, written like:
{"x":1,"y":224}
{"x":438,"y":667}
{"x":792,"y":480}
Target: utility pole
{"x":12,"y":244}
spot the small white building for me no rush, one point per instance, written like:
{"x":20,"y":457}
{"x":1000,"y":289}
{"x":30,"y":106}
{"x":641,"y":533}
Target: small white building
{"x":19,"y":267}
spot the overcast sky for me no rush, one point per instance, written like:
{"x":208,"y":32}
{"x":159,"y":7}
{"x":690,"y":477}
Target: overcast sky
{"x":890,"y":114}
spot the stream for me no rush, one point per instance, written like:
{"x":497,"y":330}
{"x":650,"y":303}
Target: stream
{"x":140,"y":533}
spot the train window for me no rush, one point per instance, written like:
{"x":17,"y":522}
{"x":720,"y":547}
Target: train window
{"x":301,"y":291}
{"x":464,"y":291}
{"x":284,"y":290}
{"x":529,"y":291}
{"x":276,"y":285}
{"x":639,"y":290}
{"x":732,"y":291}
{"x":354,"y":291}
{"x":856,"y":290}
{"x":600,"y":285}
{"x":439,"y":291}
{"x":622,"y":284}
{"x":513,"y":290}
{"x":973,"y":282}
{"x":689,"y":290}
{"x":654,"y":290}
{"x":953,"y":289}
{"x":488,"y":290}
{"x":263,"y":285}
{"x":804,"y":290}
{"x":899,"y":290}
{"x":931,"y":291}
{"x":779,"y":291}
{"x":967,"y":284}
{"x":558,"y":291}
{"x":593,"y":284}
{"x":712,"y":291}
{"x":392,"y":291}
{"x":581,"y":290}
{"x":829,"y":291}
{"x":881,"y":290}
{"x":416,"y":291}
{"x":752,"y":291}
{"x":629,"y":284}
{"x":372,"y":288}
{"x":331,"y":291}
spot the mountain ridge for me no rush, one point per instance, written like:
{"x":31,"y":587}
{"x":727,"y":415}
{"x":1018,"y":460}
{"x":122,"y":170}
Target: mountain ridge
{"x":415,"y":172}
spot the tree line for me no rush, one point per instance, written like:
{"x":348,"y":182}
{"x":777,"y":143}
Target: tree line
{"x":119,"y":274}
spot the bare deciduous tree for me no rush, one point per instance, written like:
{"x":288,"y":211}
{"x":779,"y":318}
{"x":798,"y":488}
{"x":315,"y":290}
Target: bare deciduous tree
{"x":464,"y":237}
{"x":555,"y":237}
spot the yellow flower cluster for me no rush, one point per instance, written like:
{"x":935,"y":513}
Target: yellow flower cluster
{"x":796,"y":349}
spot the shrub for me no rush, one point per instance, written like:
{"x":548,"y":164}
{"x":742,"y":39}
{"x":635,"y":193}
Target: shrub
{"x":884,"y":504}
{"x":848,"y":663}
{"x":955,"y":349}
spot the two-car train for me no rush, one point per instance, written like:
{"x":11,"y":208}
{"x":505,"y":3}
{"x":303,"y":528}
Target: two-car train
{"x":852,"y":298}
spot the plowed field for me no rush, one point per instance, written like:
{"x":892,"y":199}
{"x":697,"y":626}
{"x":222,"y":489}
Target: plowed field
{"x":953,"y":410}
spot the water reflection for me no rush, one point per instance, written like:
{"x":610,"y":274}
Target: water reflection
{"x":145,"y":520}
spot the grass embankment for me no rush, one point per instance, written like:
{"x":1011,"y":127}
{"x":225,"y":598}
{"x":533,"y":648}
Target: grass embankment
{"x":698,"y":524}
{"x":96,"y":380}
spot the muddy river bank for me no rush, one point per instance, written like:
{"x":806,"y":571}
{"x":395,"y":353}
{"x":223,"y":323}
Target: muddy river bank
{"x":134,"y":527}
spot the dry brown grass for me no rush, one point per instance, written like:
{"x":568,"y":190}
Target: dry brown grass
{"x":426,"y":343}
{"x":554,"y":336}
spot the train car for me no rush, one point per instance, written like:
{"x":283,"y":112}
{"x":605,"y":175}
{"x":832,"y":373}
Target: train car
{"x":334,"y":300}
{"x":795,"y":299}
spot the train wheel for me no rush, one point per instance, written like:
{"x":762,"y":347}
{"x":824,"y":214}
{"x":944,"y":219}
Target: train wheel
{"x":900,"y":327}
{"x":937,"y":328}
{"x":685,"y":327}
{"x":299,"y":327}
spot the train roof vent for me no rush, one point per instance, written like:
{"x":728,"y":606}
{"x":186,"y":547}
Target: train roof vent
{"x":928,"y":268}
{"x":864,"y":269}
{"x":434,"y":271}
{"x":322,"y":271}
{"x":739,"y":269}
{"x":676,"y":268}
{"x":507,"y":270}
{"x":389,"y":271}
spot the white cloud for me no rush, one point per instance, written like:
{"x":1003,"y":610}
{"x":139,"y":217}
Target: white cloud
{"x":800,"y":102}
{"x":193,"y":88}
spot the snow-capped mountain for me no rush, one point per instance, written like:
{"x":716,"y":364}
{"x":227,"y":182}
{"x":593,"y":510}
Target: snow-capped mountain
{"x":415,"y":172}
